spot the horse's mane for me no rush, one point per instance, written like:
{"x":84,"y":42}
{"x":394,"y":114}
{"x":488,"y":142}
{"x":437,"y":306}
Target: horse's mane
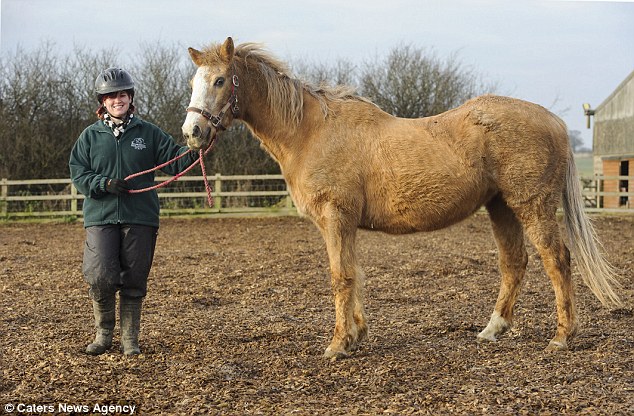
{"x":285,"y":91}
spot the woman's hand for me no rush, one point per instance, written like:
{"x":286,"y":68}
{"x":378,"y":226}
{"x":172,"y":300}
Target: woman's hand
{"x":117,"y":186}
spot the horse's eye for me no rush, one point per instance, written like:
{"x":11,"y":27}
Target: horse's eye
{"x":219,"y":82}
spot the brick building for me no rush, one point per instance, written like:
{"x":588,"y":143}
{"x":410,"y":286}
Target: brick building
{"x":613,"y":144}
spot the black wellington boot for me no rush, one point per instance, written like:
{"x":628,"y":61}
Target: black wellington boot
{"x":130,"y":321}
{"x":104,"y":311}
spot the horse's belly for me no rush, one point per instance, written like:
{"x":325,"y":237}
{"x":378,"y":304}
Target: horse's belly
{"x":401,"y":216}
{"x":410,"y":223}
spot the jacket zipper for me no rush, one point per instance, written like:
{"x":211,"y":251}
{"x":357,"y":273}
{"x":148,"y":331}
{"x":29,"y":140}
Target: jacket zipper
{"x":118,"y":147}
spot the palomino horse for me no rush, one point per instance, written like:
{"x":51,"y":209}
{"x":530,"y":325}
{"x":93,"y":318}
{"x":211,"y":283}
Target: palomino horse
{"x":349,"y":165}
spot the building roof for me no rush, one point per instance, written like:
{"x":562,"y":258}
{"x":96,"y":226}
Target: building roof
{"x":616,"y":91}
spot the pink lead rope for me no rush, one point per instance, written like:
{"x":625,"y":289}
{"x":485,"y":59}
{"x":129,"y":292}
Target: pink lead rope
{"x":200,"y":160}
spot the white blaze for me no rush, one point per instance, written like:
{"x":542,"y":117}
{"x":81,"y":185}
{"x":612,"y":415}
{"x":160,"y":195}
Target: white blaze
{"x":201,"y":98}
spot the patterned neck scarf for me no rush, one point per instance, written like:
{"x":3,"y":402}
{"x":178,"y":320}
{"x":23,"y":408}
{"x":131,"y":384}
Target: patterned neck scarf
{"x":117,"y":129}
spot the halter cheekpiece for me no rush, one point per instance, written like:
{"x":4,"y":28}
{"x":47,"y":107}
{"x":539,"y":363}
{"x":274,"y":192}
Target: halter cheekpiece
{"x":232,"y":103}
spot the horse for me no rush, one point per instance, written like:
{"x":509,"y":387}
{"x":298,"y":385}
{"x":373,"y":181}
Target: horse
{"x":349,"y":165}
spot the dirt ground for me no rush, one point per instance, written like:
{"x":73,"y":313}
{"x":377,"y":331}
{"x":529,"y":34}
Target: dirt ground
{"x":239,"y":313}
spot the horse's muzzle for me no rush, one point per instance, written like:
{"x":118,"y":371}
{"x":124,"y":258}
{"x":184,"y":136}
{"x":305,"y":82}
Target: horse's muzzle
{"x":197,"y":138}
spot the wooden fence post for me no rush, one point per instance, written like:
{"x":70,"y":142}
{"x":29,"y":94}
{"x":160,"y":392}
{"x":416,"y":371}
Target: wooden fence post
{"x":598,"y":188}
{"x":217,"y":190}
{"x":4,"y":194}
{"x":73,"y":202}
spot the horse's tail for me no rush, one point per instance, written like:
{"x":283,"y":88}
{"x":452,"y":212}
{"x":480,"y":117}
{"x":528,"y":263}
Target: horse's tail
{"x":597,"y":273}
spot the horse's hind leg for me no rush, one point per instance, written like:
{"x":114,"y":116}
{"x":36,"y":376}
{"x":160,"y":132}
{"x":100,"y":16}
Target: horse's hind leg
{"x":543,"y":231}
{"x":347,"y":284}
{"x":509,"y":237}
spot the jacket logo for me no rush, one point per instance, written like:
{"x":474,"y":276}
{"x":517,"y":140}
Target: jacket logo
{"x":138,"y":143}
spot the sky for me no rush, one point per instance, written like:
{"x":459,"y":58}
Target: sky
{"x":559,"y":54}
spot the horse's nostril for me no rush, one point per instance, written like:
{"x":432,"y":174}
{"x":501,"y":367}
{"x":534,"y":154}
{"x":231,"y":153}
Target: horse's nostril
{"x":196,"y":131}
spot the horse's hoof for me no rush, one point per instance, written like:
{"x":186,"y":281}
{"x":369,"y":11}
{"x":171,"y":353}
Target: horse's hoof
{"x":335,"y":354}
{"x":557,"y":346}
{"x":496,"y":327}
{"x":489,"y":335}
{"x":482,"y":337}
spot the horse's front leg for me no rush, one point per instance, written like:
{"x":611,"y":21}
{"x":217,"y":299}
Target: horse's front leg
{"x":347,"y":284}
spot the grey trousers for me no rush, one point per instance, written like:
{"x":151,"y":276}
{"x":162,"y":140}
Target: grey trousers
{"x":118,"y":258}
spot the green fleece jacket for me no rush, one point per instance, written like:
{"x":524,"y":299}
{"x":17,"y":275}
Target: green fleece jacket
{"x":98,"y":156}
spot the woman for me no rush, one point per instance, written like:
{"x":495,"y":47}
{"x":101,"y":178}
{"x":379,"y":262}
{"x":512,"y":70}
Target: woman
{"x":121,"y":228}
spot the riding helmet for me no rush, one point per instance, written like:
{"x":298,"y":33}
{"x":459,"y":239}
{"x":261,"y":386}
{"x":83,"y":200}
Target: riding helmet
{"x":113,"y":80}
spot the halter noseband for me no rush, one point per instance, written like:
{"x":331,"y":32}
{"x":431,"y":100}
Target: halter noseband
{"x":216,"y":120}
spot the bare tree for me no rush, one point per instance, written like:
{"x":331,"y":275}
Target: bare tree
{"x":576,"y":142}
{"x":34,"y":96}
{"x":162,"y":77}
{"x":411,"y":82}
{"x":47,"y":100}
{"x":342,"y":72}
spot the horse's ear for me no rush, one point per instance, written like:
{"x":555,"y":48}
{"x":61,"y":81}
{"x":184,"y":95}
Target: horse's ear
{"x":195,"y":55}
{"x":226,"y":53}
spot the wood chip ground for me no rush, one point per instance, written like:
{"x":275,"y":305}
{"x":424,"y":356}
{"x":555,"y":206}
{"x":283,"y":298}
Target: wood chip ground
{"x":240,"y":311}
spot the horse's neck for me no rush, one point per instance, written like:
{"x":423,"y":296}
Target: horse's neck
{"x":283,"y":140}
